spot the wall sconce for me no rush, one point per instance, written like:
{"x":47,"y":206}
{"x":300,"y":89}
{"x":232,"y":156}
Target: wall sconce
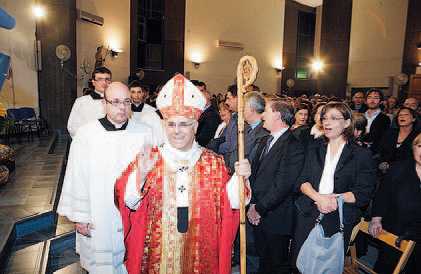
{"x":115,"y":52}
{"x":196,"y":64}
{"x":196,"y":59}
{"x":38,"y":11}
{"x":279,"y":69}
{"x":278,"y":66}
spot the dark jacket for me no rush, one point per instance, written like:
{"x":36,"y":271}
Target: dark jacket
{"x":254,"y":137}
{"x":390,"y":153}
{"x":303,"y":135}
{"x":354,"y":172}
{"x":377,"y":130}
{"x":398,"y":201}
{"x":272,"y":182}
{"x":208,"y":123}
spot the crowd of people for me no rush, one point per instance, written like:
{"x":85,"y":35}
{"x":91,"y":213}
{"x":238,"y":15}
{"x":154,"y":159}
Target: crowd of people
{"x":174,"y":207}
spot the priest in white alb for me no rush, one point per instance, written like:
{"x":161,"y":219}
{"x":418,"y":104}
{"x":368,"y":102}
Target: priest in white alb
{"x":178,"y":204}
{"x":90,"y":107}
{"x":99,"y":152}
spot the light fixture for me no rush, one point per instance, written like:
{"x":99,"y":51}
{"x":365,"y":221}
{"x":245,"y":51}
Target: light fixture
{"x":279,"y":69}
{"x":277,"y":65}
{"x":196,"y":65}
{"x":196,"y":58}
{"x":115,"y":52}
{"x":38,"y":11}
{"x":419,"y":46}
{"x":317,"y":65}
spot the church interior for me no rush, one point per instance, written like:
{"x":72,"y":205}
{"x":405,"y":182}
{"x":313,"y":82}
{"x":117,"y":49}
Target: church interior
{"x":49,"y":49}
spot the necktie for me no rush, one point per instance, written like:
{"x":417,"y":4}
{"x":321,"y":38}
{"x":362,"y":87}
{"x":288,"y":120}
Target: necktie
{"x":267,"y":146}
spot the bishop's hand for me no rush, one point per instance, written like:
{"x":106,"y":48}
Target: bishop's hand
{"x":146,"y":160}
{"x":243,"y":168}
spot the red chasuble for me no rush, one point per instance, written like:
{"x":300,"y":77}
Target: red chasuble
{"x":151,"y":246}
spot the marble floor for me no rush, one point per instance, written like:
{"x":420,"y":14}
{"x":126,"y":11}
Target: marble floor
{"x":29,"y":199}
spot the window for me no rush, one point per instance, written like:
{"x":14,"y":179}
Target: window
{"x":150,"y":34}
{"x":305,"y":44}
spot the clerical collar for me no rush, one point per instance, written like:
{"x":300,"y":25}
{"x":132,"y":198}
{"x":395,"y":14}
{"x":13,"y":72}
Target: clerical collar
{"x":110,"y":126}
{"x":137,"y":108}
{"x":96,"y":95}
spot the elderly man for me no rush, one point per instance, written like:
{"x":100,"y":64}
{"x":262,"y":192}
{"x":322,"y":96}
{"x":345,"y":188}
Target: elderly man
{"x":177,"y":201}
{"x":254,"y":106}
{"x":99,"y":152}
{"x":90,"y":107}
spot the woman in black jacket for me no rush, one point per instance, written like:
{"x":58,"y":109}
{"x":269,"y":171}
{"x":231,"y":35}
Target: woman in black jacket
{"x":397,"y":209}
{"x":396,"y":144}
{"x":334,"y":165}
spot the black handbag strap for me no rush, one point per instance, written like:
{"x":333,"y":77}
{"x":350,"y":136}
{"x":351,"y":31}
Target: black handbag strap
{"x":340,"y":201}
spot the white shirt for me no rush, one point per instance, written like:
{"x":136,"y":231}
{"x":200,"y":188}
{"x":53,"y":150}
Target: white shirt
{"x":276,"y":136}
{"x":150,"y":118}
{"x":371,"y":118}
{"x":220,"y":129}
{"x":327,"y":181}
{"x":84,"y":110}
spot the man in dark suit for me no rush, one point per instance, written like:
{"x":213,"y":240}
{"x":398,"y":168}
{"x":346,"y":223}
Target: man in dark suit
{"x":377,"y":122}
{"x":275,"y":169}
{"x":255,"y":133}
{"x":208,"y":120}
{"x":254,"y":106}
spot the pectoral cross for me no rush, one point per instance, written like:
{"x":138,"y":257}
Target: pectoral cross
{"x":182,"y":188}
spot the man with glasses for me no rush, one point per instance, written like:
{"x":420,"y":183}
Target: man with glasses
{"x":99,"y":152}
{"x":89,"y":107}
{"x":177,"y":201}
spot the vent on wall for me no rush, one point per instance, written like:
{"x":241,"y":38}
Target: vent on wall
{"x":89,"y":17}
{"x":227,"y":44}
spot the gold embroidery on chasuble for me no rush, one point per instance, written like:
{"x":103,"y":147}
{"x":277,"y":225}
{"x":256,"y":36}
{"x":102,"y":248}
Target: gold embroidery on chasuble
{"x":172,"y":240}
{"x":196,"y":251}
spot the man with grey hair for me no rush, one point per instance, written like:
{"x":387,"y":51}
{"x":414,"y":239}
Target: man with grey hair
{"x":275,"y":169}
{"x":254,"y":106}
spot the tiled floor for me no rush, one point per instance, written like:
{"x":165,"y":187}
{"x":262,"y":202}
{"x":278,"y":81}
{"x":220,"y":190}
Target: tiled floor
{"x":32,"y":191}
{"x":32,"y":188}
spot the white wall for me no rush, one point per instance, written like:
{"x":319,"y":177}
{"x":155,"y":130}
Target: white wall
{"x":259,"y":26}
{"x":377,"y":41}
{"x":19,"y":44}
{"x":114,"y":33}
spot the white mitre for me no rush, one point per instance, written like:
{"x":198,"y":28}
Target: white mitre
{"x":179,"y":97}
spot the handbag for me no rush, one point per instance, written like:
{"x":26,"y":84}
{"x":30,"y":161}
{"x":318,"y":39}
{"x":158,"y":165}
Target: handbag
{"x":320,"y":254}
